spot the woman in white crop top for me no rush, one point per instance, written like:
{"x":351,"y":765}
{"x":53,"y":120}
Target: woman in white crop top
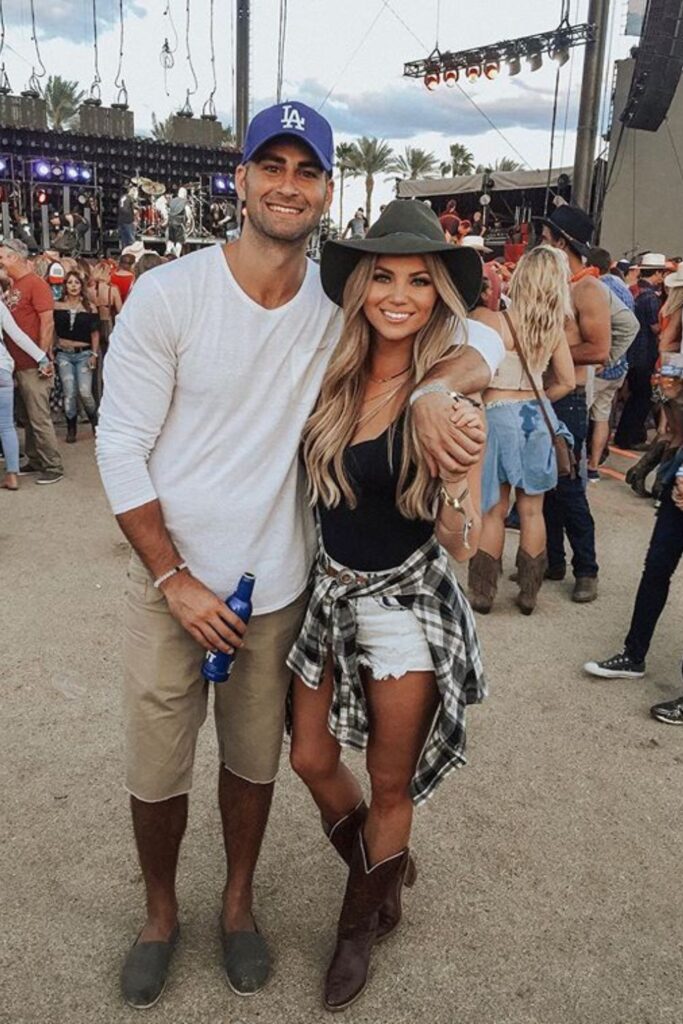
{"x":520,"y":451}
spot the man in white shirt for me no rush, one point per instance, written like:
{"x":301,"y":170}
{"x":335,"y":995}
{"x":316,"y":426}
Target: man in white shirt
{"x":214,"y":367}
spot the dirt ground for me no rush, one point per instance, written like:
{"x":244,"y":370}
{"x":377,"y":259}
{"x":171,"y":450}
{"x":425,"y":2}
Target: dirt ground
{"x":549,"y":888}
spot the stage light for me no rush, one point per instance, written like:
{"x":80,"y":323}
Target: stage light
{"x":432,"y":80}
{"x":57,"y":171}
{"x":3,"y":165}
{"x":514,"y":66}
{"x":473,"y":73}
{"x":42,"y":169}
{"x":41,"y":196}
{"x":535,"y":61}
{"x":86,"y":174}
{"x":560,"y":54}
{"x":220,"y":184}
{"x":492,"y":69}
{"x":451,"y":77}
{"x":72,"y":173}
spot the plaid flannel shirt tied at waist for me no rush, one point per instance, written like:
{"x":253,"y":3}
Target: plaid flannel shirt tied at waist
{"x":425,"y":584}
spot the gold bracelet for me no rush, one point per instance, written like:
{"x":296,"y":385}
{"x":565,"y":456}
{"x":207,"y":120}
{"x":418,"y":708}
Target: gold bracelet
{"x":456,"y":505}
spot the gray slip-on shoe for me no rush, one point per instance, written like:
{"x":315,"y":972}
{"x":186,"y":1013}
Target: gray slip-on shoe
{"x":145,"y":971}
{"x":246,"y":961}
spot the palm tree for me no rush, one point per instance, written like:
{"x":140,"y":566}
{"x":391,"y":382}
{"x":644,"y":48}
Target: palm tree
{"x":63,"y":99}
{"x":371,"y":156}
{"x":504,"y":163}
{"x":461,"y":161}
{"x":162,"y":131}
{"x":415,"y":163}
{"x":228,"y":138}
{"x":344,"y":155}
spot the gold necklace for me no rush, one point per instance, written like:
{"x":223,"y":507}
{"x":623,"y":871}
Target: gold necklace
{"x":388,"y":396}
{"x":385,"y":380}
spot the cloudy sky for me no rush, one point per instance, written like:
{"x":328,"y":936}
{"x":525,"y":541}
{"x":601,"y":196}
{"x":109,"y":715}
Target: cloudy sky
{"x":343,"y":56}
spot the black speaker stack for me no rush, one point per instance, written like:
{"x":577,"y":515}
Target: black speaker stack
{"x":23,"y":111}
{"x":659,"y":62}
{"x":113,"y":122}
{"x":196,"y":131}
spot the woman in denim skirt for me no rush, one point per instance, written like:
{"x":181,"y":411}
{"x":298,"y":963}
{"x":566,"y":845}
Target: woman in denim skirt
{"x":520,"y":452}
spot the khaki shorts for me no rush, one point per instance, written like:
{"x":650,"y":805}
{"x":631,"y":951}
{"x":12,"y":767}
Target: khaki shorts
{"x":604,"y":392}
{"x":165,"y":695}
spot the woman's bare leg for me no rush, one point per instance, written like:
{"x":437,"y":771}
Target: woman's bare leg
{"x":315,"y":754}
{"x":492,"y":539}
{"x":532,"y":537}
{"x":401,"y":714}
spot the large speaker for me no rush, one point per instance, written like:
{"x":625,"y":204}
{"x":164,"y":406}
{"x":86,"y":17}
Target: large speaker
{"x":112,"y":122}
{"x":658,"y":67}
{"x":196,"y":131}
{"x":23,"y":112}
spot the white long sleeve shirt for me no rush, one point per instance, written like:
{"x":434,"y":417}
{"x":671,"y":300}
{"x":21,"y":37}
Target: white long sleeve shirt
{"x":206,"y":394}
{"x":9,"y":326}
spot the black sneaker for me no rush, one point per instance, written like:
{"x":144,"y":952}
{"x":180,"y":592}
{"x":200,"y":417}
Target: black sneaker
{"x":29,"y":467}
{"x":620,"y":666}
{"x":50,"y":476}
{"x":670,"y":712}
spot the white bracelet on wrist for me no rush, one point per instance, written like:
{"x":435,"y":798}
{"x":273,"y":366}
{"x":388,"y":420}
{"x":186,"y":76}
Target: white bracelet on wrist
{"x":439,"y":388}
{"x":167,"y":575}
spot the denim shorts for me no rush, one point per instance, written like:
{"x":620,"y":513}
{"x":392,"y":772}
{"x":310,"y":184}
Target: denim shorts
{"x":519,"y":449}
{"x":389,"y":637}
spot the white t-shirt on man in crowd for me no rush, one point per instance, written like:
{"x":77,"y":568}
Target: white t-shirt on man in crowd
{"x":206,"y":394}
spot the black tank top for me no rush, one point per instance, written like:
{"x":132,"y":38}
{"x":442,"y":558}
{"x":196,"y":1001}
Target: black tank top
{"x":373,"y":536}
{"x":77,"y":328}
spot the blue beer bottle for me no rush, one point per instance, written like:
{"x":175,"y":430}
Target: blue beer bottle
{"x":217,"y":666}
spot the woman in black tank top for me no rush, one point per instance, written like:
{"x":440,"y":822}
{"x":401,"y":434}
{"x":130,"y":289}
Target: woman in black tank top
{"x":388,"y":656}
{"x":76,"y":351}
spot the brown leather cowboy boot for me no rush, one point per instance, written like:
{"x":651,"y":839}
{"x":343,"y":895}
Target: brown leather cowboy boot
{"x":366,"y":891}
{"x":531,"y":572}
{"x":342,"y":835}
{"x":483,"y":571}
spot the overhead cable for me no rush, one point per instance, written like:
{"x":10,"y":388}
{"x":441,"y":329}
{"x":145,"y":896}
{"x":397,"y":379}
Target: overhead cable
{"x":209,"y":108}
{"x":357,"y":49}
{"x":166,"y":57}
{"x":282,"y":39}
{"x":119,"y":82}
{"x":186,"y":110}
{"x":97,"y":81}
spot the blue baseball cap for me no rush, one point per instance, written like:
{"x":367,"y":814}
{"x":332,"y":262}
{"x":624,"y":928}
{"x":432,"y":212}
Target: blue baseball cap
{"x":295,"y":120}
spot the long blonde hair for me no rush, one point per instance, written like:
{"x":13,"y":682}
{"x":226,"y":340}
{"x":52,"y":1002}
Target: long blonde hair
{"x":674,"y":301}
{"x":541,"y":302}
{"x":334,"y":421}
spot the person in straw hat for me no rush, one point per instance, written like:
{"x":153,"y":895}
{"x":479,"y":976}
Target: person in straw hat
{"x":388,"y":655}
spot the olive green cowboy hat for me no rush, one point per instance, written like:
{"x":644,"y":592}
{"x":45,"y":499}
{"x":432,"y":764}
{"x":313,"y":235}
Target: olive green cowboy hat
{"x":406,"y":228}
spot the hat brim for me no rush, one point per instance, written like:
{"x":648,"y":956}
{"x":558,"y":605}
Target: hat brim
{"x":285,"y":133}
{"x":340,"y":258}
{"x":475,"y":248}
{"x":673,"y":280}
{"x":581,"y":247}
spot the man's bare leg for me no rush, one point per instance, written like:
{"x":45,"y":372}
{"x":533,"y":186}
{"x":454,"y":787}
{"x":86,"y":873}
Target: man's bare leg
{"x":159,"y":829}
{"x":245,"y":807}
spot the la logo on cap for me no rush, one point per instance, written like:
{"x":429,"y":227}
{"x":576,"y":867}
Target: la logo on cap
{"x":291,"y":118}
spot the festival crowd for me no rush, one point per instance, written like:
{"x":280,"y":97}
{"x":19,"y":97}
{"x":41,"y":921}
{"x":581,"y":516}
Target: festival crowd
{"x":409,"y":402}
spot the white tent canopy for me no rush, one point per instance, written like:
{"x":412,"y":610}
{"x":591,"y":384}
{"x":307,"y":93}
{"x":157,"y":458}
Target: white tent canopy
{"x":503,"y":181}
